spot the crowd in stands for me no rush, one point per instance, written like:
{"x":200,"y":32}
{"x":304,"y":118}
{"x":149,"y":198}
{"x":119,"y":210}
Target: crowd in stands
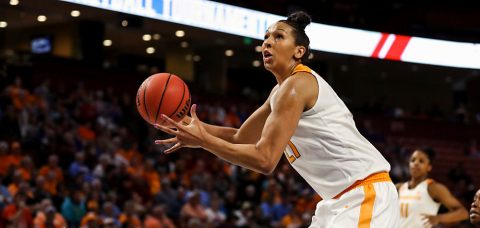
{"x":85,"y":158}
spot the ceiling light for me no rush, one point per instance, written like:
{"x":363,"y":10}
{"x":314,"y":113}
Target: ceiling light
{"x":258,"y":48}
{"x":147,"y":37}
{"x":256,"y":63}
{"x":124,"y":23}
{"x":229,"y":52}
{"x":13,"y":2}
{"x":184,"y":44}
{"x":196,"y":58}
{"x":107,"y":43}
{"x":156,"y":36}
{"x":42,"y":18}
{"x":75,"y":13}
{"x":180,"y":33}
{"x":3,"y":24}
{"x":150,"y":50}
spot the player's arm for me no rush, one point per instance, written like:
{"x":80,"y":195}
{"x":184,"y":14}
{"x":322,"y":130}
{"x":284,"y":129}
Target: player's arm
{"x":249,"y":132}
{"x":262,"y":156}
{"x":457,"y":211}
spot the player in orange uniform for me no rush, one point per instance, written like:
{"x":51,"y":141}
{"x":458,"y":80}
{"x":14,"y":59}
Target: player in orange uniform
{"x":421,"y":197}
{"x":304,"y":119}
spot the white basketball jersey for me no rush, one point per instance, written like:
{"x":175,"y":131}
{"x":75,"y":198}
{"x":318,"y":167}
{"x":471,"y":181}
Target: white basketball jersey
{"x":326,"y":149}
{"x":414,"y":202}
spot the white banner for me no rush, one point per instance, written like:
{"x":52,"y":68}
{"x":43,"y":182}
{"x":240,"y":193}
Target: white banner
{"x":251,"y":23}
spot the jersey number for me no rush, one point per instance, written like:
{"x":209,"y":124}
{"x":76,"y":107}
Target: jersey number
{"x":292,"y":158}
{"x":404,"y":210}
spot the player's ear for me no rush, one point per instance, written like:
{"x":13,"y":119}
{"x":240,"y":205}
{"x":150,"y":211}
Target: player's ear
{"x":299,"y":52}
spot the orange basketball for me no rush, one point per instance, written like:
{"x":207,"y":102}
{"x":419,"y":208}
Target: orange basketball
{"x":163,"y":93}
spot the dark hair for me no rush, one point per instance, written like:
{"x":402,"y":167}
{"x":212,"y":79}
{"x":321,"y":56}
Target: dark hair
{"x":299,"y":20}
{"x":429,"y":152}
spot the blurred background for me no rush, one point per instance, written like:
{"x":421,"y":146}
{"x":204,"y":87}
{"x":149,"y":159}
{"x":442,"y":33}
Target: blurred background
{"x":74,"y":150}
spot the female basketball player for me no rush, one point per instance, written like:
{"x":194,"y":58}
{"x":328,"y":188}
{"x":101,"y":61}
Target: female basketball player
{"x":421,"y":197}
{"x":475,"y":210}
{"x":304,"y":119}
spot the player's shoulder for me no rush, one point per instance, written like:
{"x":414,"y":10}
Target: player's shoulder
{"x":432,"y":184}
{"x":436,"y":189}
{"x":430,"y":181}
{"x":300,"y":80}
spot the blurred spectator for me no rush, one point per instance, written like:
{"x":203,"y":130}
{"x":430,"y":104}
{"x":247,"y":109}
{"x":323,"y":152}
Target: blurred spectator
{"x":49,"y":218}
{"x":52,"y":168}
{"x":103,"y":165}
{"x":151,"y":176}
{"x":15,"y":156}
{"x":280,"y":209}
{"x":110,"y":213}
{"x":158,"y":219}
{"x":243,"y":215}
{"x":79,"y":168}
{"x":292,"y":219}
{"x":17,"y":214}
{"x":215,"y":216}
{"x":90,"y":220}
{"x":171,"y":198}
{"x":17,"y":180}
{"x":193,"y":210}
{"x":25,"y":168}
{"x":129,"y":217}
{"x":73,"y":208}
{"x":4,"y":157}
{"x":5,"y":197}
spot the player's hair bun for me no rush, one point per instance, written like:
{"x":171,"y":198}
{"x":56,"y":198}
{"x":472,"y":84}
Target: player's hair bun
{"x":300,"y":18}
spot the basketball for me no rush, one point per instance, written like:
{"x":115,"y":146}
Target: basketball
{"x":163,"y":93}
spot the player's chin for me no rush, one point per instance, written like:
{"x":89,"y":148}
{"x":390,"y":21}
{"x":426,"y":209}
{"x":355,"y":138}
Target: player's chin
{"x":475,"y":218}
{"x":268,"y":67}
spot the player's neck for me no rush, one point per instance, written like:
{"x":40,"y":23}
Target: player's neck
{"x":414,"y":181}
{"x":287,"y":72}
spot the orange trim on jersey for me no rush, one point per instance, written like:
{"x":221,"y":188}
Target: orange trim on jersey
{"x":294,"y":149}
{"x":429,"y":181}
{"x":406,"y":210}
{"x":296,"y":154}
{"x":366,"y":210}
{"x":374,"y":178}
{"x":301,"y":68}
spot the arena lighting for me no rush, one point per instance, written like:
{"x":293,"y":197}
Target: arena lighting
{"x":251,"y":23}
{"x":75,"y":13}
{"x":146,"y":37}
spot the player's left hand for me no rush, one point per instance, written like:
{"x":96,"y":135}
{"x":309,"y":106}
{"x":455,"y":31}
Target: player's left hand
{"x":429,"y":220}
{"x":191,"y":135}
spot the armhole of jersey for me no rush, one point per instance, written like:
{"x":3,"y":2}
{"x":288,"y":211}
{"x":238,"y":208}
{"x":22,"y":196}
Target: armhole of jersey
{"x":430,"y":181}
{"x":314,"y":108}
